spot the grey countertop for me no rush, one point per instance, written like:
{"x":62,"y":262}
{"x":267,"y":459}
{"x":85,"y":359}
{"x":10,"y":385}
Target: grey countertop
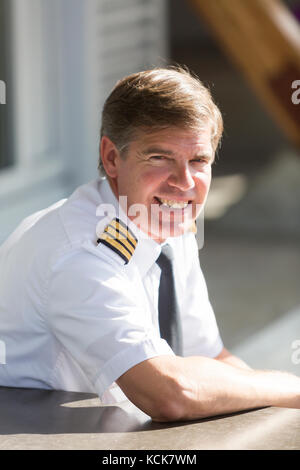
{"x":44,"y":419}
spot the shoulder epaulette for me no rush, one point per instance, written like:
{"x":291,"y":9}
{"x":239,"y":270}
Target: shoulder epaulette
{"x":119,"y":238}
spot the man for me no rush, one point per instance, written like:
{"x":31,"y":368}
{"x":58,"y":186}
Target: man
{"x":90,"y":297}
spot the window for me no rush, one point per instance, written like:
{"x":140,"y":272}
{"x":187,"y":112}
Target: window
{"x":63,"y":58}
{"x":6,"y":138}
{"x":32,"y":163}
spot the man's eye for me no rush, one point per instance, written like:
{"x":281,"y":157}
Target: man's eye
{"x":200,"y":160}
{"x":157,"y":157}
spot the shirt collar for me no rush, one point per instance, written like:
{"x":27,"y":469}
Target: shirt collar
{"x":147,"y":250}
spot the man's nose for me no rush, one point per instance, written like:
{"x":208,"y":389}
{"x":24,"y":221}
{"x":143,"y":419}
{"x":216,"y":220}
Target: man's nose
{"x":181,"y":178}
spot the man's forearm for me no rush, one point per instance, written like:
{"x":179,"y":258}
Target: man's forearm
{"x":231,"y":359}
{"x":222,"y":388}
{"x":170,"y":388}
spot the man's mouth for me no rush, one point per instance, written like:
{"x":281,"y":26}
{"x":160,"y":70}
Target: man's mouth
{"x":172,"y":204}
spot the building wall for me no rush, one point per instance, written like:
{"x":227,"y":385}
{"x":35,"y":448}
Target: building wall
{"x":64,"y":57}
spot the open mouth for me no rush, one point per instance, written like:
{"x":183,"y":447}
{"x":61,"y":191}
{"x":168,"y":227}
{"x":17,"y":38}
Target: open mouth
{"x":172,"y":204}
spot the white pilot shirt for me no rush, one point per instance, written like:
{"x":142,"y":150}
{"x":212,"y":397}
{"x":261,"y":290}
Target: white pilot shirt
{"x":74,"y":317}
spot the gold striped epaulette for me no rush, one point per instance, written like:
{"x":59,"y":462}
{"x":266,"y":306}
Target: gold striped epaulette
{"x":119,"y":238}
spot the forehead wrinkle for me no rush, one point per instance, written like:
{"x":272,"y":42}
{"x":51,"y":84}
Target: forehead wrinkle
{"x":161,"y":151}
{"x":157,"y":150}
{"x":185,"y":143}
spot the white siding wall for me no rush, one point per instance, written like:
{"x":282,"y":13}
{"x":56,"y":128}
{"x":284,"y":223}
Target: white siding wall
{"x":67,"y":55}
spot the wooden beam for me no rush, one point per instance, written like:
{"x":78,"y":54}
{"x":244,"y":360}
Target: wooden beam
{"x":262,"y":38}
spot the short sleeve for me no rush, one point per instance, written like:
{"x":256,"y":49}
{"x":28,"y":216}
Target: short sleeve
{"x":96,"y":312}
{"x":200,"y":331}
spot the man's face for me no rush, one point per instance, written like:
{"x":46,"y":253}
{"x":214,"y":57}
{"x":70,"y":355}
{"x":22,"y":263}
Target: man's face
{"x":166,"y":177}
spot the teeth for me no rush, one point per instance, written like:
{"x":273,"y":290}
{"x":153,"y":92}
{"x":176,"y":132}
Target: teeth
{"x":174,"y":204}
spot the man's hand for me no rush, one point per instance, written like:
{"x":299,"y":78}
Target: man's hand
{"x":171,"y":388}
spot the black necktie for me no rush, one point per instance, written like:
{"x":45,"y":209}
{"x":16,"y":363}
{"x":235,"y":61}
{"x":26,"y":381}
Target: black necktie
{"x":169,"y":321}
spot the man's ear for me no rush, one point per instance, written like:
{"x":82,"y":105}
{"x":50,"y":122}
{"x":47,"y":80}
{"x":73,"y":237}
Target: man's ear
{"x":110,"y":156}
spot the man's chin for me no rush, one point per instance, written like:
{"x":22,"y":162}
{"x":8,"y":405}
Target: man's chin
{"x":172,"y":230}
